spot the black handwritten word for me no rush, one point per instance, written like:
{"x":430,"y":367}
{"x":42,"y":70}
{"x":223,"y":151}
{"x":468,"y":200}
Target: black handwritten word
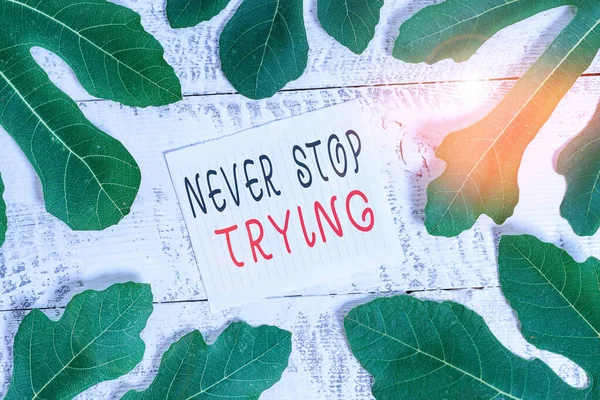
{"x":222,"y":189}
{"x":336,"y":148}
{"x":215,"y":193}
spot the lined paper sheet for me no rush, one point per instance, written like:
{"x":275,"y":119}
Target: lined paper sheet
{"x":286,"y":205}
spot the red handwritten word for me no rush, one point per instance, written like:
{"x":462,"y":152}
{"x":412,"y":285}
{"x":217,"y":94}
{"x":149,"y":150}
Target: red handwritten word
{"x":364,"y":223}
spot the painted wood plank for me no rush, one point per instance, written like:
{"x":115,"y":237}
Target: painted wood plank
{"x":193,"y":52}
{"x":43,"y":262}
{"x":321,"y":365}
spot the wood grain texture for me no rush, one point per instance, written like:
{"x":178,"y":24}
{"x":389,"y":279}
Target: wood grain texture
{"x":321,"y":365}
{"x":43,"y":261}
{"x":193,"y":52}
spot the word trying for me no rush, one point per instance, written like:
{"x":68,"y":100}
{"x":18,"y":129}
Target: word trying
{"x":367,"y":222}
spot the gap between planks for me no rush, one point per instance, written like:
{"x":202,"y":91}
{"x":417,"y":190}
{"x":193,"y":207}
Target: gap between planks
{"x":381,"y":294}
{"x":365,"y":86}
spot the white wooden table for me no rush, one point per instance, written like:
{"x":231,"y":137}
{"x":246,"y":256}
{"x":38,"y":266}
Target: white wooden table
{"x":43,"y":263}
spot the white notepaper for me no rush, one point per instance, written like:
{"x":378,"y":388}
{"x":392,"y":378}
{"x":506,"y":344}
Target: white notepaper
{"x":368,"y":236}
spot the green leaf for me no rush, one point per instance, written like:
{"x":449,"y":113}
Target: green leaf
{"x":579,"y":162}
{"x":187,"y":13}
{"x":105,"y":44}
{"x":241,"y":364}
{"x":456,"y":29}
{"x":89,"y":179}
{"x":97,"y":339}
{"x":427,"y":350}
{"x":483,"y":159}
{"x":3,"y":220}
{"x":264,"y":46}
{"x":557,"y":300}
{"x":350,"y":22}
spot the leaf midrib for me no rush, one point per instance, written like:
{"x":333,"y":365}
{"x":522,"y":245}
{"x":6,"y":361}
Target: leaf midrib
{"x":187,"y":351}
{"x":187,"y":4}
{"x":554,"y":287}
{"x":500,"y":391}
{"x":32,"y":109}
{"x":476,"y":16}
{"x":515,"y":116}
{"x":36,"y":394}
{"x":237,"y":370}
{"x":351,"y":24}
{"x":78,"y":34}
{"x":592,"y":191}
{"x":266,"y":45}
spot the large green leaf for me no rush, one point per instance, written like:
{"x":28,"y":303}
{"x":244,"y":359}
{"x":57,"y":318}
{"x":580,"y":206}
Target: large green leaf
{"x":97,"y":339}
{"x":456,"y":29}
{"x":89,"y":179}
{"x":264,"y":46}
{"x":3,"y":221}
{"x":241,"y":364}
{"x":186,"y":13}
{"x":105,"y":44}
{"x":350,"y":22}
{"x":428,"y":350}
{"x":557,"y":300}
{"x":579,"y":162}
{"x":483,"y":159}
